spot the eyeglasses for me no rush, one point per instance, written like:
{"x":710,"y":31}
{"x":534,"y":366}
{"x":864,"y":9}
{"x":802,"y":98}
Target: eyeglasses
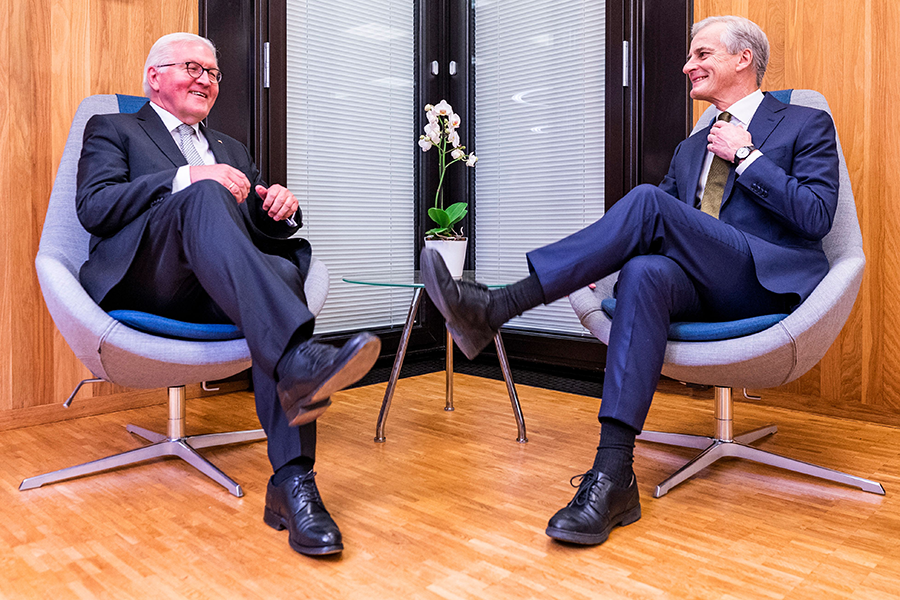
{"x":195,"y":70}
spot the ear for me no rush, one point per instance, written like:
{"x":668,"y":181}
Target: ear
{"x":745,"y":60}
{"x":153,"y":78}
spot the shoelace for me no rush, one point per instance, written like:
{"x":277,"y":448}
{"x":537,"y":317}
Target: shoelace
{"x":584,"y":485}
{"x":585,"y":481}
{"x":318,"y":354}
{"x":306,"y":489}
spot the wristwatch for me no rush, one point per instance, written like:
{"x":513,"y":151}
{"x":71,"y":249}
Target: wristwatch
{"x":742,"y":153}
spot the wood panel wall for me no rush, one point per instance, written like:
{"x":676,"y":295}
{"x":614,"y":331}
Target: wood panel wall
{"x":53,"y":53}
{"x":844,"y":50}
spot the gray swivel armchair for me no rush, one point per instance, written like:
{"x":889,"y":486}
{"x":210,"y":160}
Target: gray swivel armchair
{"x":121,"y":354}
{"x":755,"y":353}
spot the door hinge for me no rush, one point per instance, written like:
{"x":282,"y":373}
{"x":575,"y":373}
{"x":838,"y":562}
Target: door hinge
{"x":626,"y":65}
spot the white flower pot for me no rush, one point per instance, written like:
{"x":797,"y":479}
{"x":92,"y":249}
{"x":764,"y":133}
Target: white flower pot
{"x":453,"y":252}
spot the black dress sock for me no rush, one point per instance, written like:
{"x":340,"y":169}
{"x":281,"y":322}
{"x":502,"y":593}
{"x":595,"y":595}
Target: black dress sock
{"x":512,"y":300}
{"x":297,"y":466}
{"x":615,"y":454}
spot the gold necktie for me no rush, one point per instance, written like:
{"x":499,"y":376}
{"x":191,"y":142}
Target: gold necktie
{"x":715,"y":180}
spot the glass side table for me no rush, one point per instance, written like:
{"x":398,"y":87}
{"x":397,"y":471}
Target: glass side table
{"x":411,"y":279}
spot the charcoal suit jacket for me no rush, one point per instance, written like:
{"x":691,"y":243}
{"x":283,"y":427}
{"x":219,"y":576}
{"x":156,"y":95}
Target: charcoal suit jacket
{"x":127,"y":165}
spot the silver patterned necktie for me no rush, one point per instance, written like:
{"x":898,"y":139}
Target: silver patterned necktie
{"x":716,"y":180}
{"x":187,"y":145}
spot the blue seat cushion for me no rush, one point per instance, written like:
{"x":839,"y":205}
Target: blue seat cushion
{"x":181,"y":330}
{"x":709,"y":332}
{"x":130,"y":104}
{"x":783,"y":96}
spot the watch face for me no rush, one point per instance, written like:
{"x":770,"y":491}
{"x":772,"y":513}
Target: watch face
{"x":742,"y":153}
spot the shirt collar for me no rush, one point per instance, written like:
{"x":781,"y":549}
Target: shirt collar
{"x":169,"y":120}
{"x":744,"y":109}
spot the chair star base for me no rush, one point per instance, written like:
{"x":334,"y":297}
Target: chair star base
{"x":175,"y":444}
{"x":723,"y":445}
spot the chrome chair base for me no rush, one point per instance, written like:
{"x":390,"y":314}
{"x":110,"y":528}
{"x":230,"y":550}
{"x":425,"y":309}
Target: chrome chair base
{"x":723,"y":445}
{"x":174,"y":444}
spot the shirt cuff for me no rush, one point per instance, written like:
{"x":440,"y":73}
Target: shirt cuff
{"x":747,"y":161}
{"x":183,"y":178}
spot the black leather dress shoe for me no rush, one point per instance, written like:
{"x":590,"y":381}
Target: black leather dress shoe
{"x":599,"y":505}
{"x":295,"y":505}
{"x":310,"y":373}
{"x":464,"y":304}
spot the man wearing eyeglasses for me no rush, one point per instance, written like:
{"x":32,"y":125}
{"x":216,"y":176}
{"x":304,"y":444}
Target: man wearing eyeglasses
{"x":184,"y":227}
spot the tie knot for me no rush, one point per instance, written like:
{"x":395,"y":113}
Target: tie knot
{"x":723,"y":116}
{"x":185,"y":130}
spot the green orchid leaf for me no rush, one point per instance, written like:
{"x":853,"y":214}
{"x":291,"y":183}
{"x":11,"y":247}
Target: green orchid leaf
{"x":456,"y":212}
{"x":439,"y":232}
{"x":440,"y":217}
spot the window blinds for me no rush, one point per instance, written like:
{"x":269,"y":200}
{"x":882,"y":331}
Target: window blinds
{"x":539,"y":133}
{"x":350,"y":148}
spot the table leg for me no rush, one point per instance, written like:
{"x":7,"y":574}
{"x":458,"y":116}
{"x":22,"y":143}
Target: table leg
{"x":398,"y":364}
{"x":511,"y":388}
{"x":448,"y":369}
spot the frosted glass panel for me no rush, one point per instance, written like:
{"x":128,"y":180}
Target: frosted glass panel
{"x":350,"y":148}
{"x":539,"y":117}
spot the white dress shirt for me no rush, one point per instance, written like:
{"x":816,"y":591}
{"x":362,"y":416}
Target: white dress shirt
{"x":183,"y":175}
{"x":742,"y":113}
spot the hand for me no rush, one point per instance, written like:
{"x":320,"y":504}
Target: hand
{"x":236,"y":182}
{"x":278,"y":201}
{"x":725,"y":139}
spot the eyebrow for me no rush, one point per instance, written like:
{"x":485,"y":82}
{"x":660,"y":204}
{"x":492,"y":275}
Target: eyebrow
{"x":194,"y":60}
{"x":700,"y":49}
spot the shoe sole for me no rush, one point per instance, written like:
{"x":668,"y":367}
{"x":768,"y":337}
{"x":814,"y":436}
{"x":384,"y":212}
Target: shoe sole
{"x":592,"y":539}
{"x":358,"y":359}
{"x":301,"y":415}
{"x":278,"y":523}
{"x":428,"y":266}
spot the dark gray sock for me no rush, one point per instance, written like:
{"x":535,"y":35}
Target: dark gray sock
{"x":513,"y":300}
{"x":615,"y":453}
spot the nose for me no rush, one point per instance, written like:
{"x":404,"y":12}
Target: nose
{"x":205,"y":73}
{"x":688,"y":66}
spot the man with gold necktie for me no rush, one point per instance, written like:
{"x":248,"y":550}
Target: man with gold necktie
{"x":733,"y":231}
{"x":184,"y":227}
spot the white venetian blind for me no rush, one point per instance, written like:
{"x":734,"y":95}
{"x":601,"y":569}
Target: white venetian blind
{"x":539,"y":117}
{"x":350,"y":148}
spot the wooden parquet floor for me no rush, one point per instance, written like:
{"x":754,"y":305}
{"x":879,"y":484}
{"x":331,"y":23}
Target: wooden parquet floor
{"x":451,"y":507}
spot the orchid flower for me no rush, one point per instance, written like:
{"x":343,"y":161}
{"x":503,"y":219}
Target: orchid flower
{"x":441,"y":132}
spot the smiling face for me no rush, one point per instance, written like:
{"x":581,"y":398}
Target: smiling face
{"x":175,"y":90}
{"x":717,"y":76}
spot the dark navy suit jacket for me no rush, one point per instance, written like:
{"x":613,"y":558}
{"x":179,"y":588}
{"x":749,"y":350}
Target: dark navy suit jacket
{"x":784,"y":202}
{"x":127,"y":165}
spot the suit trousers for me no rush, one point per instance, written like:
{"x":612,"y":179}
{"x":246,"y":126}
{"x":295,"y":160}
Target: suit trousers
{"x":197,"y":263}
{"x":675,"y":263}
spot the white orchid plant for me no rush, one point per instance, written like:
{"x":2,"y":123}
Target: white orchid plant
{"x":441,"y":132}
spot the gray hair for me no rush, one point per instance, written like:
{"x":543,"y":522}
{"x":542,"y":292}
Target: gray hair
{"x":741,"y":34}
{"x":163,"y":51}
